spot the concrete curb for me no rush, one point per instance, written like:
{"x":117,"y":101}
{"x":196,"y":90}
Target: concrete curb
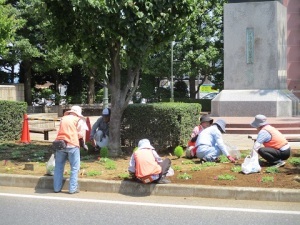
{"x":178,"y":190}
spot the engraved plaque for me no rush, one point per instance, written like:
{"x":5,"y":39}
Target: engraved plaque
{"x":250,"y":45}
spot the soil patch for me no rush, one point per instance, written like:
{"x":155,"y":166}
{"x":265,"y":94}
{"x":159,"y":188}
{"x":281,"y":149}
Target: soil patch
{"x":15,"y":156}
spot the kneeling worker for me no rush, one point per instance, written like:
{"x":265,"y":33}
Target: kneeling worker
{"x":146,"y":165}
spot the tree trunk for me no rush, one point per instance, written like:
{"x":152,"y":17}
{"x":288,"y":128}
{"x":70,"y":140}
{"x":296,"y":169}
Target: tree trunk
{"x":27,"y":81}
{"x":91,"y":90}
{"x":120,"y":96}
{"x":192,"y":88}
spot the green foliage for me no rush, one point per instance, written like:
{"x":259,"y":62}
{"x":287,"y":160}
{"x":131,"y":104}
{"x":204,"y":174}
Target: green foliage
{"x":124,"y":175}
{"x":104,"y":152}
{"x":177,"y":168}
{"x":196,"y":168}
{"x":174,"y":120}
{"x":87,"y":157}
{"x":272,"y":169}
{"x":208,"y":164}
{"x":186,"y":162}
{"x":266,"y":179}
{"x":223,"y":159}
{"x":226,"y":177}
{"x":178,"y":151}
{"x":83,"y":165}
{"x":295,"y":161}
{"x":11,"y":119}
{"x":93,"y":173}
{"x":236,"y":169}
{"x":184,"y":176}
{"x":110,"y":165}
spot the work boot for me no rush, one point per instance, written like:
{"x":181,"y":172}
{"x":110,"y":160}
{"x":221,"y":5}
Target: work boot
{"x":163,"y":180}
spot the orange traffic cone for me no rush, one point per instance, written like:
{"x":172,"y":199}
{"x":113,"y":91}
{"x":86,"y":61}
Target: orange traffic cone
{"x":88,"y":132}
{"x":25,"y":138}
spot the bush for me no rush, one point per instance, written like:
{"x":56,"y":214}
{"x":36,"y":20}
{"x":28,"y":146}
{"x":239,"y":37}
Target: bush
{"x":166,"y":125}
{"x":104,"y":152}
{"x":178,"y":151}
{"x":11,"y":119}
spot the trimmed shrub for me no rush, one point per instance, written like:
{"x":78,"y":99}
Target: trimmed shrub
{"x":11,"y":119}
{"x":166,"y":125}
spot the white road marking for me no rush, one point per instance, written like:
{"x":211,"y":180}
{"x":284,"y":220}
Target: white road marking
{"x":152,"y":204}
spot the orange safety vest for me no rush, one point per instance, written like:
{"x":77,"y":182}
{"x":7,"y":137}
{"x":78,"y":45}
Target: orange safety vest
{"x":277,"y":139}
{"x":68,"y":130}
{"x":145,"y":163}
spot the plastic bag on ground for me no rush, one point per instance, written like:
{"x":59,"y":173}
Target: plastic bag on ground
{"x":251,"y":164}
{"x":50,"y":166}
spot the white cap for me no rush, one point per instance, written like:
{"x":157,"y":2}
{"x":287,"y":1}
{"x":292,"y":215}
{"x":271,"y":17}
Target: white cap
{"x":145,"y":143}
{"x":105,"y":112}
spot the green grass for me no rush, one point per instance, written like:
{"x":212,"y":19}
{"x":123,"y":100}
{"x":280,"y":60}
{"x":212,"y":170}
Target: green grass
{"x":110,"y":165}
{"x":93,"y":173}
{"x":266,"y":179}
{"x":83,"y":165}
{"x":186,"y":162}
{"x":272,"y":169}
{"x":226,"y":177}
{"x":196,"y":168}
{"x":177,"y":168}
{"x":208,"y":164}
{"x":295,"y":161}
{"x":223,"y":159}
{"x":184,"y":176}
{"x":87,"y":157}
{"x":124,"y":175}
{"x":236,"y":169}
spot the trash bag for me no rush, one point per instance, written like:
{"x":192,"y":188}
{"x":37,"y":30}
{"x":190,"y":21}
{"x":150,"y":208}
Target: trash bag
{"x":233,"y":151}
{"x":50,"y":166}
{"x":251,"y":164}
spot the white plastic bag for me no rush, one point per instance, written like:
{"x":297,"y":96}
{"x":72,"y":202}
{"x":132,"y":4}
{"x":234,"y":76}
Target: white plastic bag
{"x":233,"y":151}
{"x":50,"y":166}
{"x":251,"y":164}
{"x":170,"y":172}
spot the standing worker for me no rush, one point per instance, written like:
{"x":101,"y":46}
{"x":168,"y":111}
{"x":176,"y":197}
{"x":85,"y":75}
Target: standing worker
{"x":72,"y":128}
{"x":276,"y":147}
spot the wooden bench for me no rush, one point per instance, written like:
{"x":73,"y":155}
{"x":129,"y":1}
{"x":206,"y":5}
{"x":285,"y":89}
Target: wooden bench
{"x":44,"y":131}
{"x":289,"y":138}
{"x":42,"y":126}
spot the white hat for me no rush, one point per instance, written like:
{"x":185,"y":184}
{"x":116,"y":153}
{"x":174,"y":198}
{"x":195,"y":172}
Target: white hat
{"x":75,"y":109}
{"x":222,"y":125}
{"x":105,"y":112}
{"x":145,"y":143}
{"x":260,"y":120}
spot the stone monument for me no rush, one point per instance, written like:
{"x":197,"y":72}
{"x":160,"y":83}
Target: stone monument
{"x":255,"y":61}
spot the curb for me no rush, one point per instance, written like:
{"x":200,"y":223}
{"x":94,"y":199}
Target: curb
{"x":137,"y":189}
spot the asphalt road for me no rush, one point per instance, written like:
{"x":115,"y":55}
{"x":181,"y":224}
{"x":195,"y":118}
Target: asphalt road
{"x":28,"y":206}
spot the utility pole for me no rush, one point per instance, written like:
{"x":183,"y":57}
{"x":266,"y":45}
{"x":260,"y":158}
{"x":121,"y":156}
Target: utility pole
{"x":171,"y":85}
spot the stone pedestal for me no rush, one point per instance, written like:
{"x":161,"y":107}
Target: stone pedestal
{"x":255,"y":62}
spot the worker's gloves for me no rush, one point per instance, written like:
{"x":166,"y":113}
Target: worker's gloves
{"x":231,"y":159}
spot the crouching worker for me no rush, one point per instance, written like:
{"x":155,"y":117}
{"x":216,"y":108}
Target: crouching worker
{"x":210,"y":144}
{"x":205,"y":121}
{"x":100,"y":130}
{"x":146,"y":165}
